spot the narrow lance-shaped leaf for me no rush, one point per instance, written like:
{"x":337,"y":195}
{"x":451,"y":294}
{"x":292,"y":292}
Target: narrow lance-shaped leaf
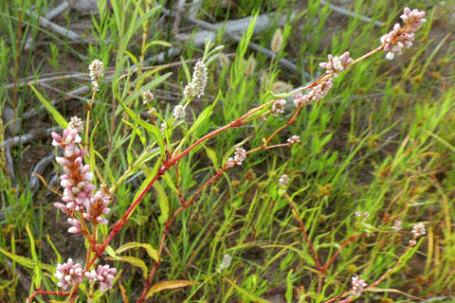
{"x":163,"y":202}
{"x":55,"y":114}
{"x":133,"y":261}
{"x":148,"y":247}
{"x":251,"y":296}
{"x":160,"y":286}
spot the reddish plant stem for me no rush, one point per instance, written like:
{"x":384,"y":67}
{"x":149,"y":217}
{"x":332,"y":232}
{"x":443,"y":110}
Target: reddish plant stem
{"x":345,"y":243}
{"x":156,"y":264}
{"x":302,"y":228}
{"x":44,"y":292}
{"x":182,"y":200}
{"x":148,"y":282}
{"x":380,"y":48}
{"x":352,"y":297}
{"x":166,"y":165}
{"x":264,"y":146}
{"x":311,"y":85}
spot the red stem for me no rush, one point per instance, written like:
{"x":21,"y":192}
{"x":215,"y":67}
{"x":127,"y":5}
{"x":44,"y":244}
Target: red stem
{"x":166,"y":165}
{"x":302,"y":228}
{"x":148,"y":282}
{"x":352,"y":238}
{"x":44,"y":292}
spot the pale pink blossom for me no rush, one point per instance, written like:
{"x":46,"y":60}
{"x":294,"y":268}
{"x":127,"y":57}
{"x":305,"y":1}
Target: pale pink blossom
{"x":283,"y":180}
{"x":278,"y":107}
{"x":293,"y":140}
{"x":179,"y":112}
{"x":402,"y":36}
{"x":239,"y":155}
{"x":68,"y":273}
{"x":418,"y":230}
{"x":96,"y":208}
{"x":336,"y":65}
{"x":358,"y":285}
{"x":197,"y":85}
{"x":104,"y":275}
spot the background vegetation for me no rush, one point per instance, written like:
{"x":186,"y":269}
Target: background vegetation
{"x":381,"y":142}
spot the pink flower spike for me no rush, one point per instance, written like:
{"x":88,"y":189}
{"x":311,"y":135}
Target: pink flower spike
{"x":300,"y":100}
{"x":418,"y":230}
{"x":91,"y":275}
{"x":96,"y":208}
{"x":230,"y":162}
{"x":77,"y":226}
{"x":293,"y":140}
{"x":358,"y":285}
{"x":239,"y":155}
{"x":278,"y":107}
{"x":104,"y":275}
{"x":283,"y":180}
{"x":68,"y":273}
{"x":336,"y":65}
{"x":57,"y":139}
{"x":402,"y":36}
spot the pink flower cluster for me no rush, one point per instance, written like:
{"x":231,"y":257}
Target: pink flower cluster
{"x":70,"y":273}
{"x":278,"y":107}
{"x":96,"y":72}
{"x":197,"y":85}
{"x":283,"y":180}
{"x":417,"y":230}
{"x":104,"y":275}
{"x":317,"y":93}
{"x":179,"y":112}
{"x":358,"y":285}
{"x":78,"y":197}
{"x":76,"y":181}
{"x":239,"y":156}
{"x":402,"y":36}
{"x":337,"y":64}
{"x":293,"y":140}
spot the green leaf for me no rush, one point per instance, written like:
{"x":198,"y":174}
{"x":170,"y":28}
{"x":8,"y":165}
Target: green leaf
{"x":280,"y":96}
{"x":32,"y":243}
{"x":212,"y":156}
{"x":144,"y":88}
{"x":163,"y":201}
{"x":157,"y":42}
{"x":132,"y":57}
{"x":110,"y":251}
{"x":200,"y":121}
{"x":136,"y":262}
{"x":243,"y":44}
{"x":246,"y":293}
{"x":302,"y":253}
{"x":59,"y":256}
{"x":167,"y":177}
{"x":153,"y":253}
{"x":151,"y":129}
{"x":149,"y":178}
{"x":19,"y":259}
{"x":55,"y":114}
{"x":137,"y":132}
{"x":37,"y":277}
{"x":289,"y":287}
{"x":144,"y":18}
{"x":160,"y":286}
{"x":186,"y":70}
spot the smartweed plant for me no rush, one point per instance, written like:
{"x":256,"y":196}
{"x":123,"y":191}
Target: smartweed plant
{"x":87,"y":200}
